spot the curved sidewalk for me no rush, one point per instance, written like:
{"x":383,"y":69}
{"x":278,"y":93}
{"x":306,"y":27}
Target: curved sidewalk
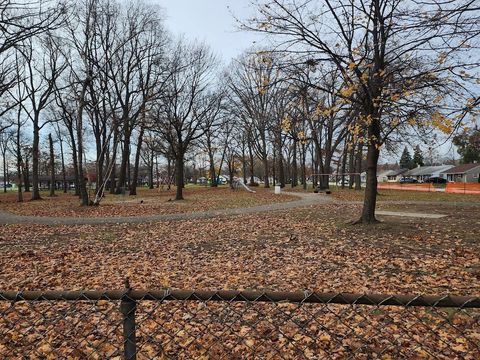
{"x":305,"y":200}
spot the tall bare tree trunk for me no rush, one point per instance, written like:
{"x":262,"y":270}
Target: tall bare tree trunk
{"x":304,"y":167}
{"x":52,"y":166}
{"x":64,"y":173}
{"x":35,"y":161}
{"x":122,"y":177}
{"x":294,"y":165}
{"x":169,"y":172}
{"x":373,"y":153}
{"x":114,"y":161}
{"x":358,"y":166}
{"x":281,"y":169}
{"x":26,"y":174}
{"x":266,"y":175}
{"x":244,"y":163}
{"x":133,"y":186}
{"x":150,"y":169}
{"x":179,"y":168}
{"x":4,"y":155}
{"x":344,"y":161}
{"x":74,"y":159}
{"x":250,"y":154}
{"x":81,"y":176}
{"x":351,"y":166}
{"x":19,"y":159}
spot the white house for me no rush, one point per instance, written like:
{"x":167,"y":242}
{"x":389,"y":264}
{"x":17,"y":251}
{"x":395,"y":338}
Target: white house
{"x":423,"y":173}
{"x":383,"y":176}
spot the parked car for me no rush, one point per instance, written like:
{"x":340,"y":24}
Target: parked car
{"x":408,"y":180}
{"x":436,"y":180}
{"x":202,"y":181}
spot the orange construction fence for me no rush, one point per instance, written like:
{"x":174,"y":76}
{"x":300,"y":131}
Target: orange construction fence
{"x":426,"y":187}
{"x":463,"y":188}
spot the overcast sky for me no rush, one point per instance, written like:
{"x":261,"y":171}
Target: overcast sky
{"x":210,"y":21}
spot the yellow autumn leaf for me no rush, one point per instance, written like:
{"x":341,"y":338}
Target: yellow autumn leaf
{"x":249,"y":342}
{"x":395,"y":97}
{"x":325,"y":337}
{"x":441,"y":57}
{"x":347,"y":92}
{"x":460,"y":347}
{"x":286,"y":124}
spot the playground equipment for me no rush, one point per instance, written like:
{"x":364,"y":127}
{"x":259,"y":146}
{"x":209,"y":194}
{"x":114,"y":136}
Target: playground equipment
{"x":163,"y":180}
{"x":239,"y":183}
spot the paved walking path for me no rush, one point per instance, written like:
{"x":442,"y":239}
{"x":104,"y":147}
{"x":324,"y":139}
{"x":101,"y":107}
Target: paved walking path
{"x":305,"y":199}
{"x":409,"y":214}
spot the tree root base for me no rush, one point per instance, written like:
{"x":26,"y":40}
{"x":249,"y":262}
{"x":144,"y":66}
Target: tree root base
{"x":364,"y":222}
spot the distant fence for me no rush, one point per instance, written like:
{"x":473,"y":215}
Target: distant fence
{"x":463,"y":188}
{"x":425,"y":187}
{"x":184,"y":324}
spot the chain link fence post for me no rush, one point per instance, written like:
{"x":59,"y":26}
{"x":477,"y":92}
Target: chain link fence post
{"x":128,"y":308}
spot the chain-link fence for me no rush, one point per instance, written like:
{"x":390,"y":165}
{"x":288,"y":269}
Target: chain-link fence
{"x":178,"y":324}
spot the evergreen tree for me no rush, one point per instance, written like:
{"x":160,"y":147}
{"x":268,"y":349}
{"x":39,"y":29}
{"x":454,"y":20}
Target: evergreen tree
{"x":418,"y":156}
{"x":406,"y":160}
{"x":468,"y":145}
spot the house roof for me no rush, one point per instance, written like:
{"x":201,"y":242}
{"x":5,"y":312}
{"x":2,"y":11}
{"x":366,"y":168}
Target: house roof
{"x":397,"y":172}
{"x":386,"y":173}
{"x":461,"y":169}
{"x":394,"y":172}
{"x":429,"y":170}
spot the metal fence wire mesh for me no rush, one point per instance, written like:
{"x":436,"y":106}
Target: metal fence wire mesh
{"x":236,"y":325}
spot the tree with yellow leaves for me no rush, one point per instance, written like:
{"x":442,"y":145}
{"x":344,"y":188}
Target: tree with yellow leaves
{"x":394,"y":56}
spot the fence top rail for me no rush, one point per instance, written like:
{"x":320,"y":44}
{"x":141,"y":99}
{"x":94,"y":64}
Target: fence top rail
{"x":248,"y":296}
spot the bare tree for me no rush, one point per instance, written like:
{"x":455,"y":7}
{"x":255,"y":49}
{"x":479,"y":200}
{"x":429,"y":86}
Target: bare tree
{"x":133,"y":67}
{"x":6,"y":138}
{"x":182,"y":111}
{"x":253,"y":82}
{"x":19,"y":23}
{"x":44,"y":65}
{"x":52,"y":165}
{"x":216,"y":121}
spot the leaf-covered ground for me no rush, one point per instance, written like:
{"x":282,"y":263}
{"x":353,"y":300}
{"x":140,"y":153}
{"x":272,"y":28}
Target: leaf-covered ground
{"x":309,"y":248}
{"x":147,"y":202}
{"x":303,"y":249}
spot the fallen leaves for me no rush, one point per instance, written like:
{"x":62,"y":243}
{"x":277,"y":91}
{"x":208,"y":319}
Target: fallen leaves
{"x":300,"y":249}
{"x":148,"y":202}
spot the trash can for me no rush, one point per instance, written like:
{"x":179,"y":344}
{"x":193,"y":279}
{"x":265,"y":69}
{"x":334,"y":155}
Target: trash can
{"x":277,"y":189}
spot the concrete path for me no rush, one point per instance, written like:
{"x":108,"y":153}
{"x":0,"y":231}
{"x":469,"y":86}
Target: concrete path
{"x":409,"y":214}
{"x":305,"y":199}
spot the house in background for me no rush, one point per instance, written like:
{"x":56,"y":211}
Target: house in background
{"x":423,"y":173}
{"x":466,"y":173}
{"x":383,"y":176}
{"x":396,"y":175}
